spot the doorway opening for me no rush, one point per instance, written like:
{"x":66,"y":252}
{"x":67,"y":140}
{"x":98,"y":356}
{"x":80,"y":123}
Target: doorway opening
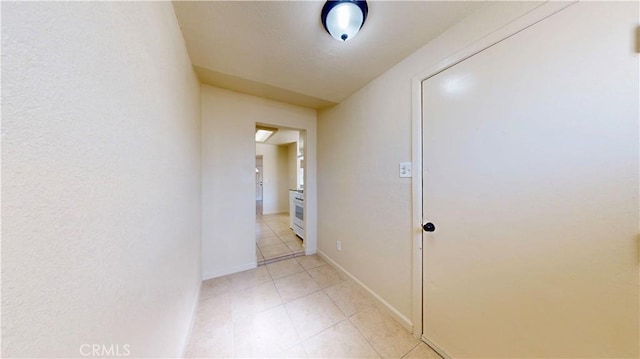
{"x":280,"y":218}
{"x":259,"y":175}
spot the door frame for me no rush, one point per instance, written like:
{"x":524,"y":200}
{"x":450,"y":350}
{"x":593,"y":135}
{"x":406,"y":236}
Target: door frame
{"x":309,"y":180}
{"x":521,"y":23}
{"x":259,"y":180}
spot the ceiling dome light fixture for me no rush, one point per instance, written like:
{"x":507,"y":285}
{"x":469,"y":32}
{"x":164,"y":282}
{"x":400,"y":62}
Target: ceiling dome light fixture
{"x":343,"y":18}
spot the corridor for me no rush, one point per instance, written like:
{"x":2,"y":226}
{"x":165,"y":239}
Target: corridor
{"x":296,"y":308}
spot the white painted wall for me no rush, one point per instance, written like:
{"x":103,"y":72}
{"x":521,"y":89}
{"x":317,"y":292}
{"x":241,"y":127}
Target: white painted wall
{"x":283,"y":180}
{"x":293,"y":163}
{"x":275,"y":188}
{"x":101,"y":179}
{"x":228,"y":175}
{"x":361,"y":199}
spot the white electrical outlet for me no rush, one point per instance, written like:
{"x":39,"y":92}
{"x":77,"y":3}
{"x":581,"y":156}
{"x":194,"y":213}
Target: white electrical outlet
{"x":405,"y":169}
{"x":339,"y":245}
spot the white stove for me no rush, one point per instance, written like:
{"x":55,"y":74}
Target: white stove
{"x":298,"y":218}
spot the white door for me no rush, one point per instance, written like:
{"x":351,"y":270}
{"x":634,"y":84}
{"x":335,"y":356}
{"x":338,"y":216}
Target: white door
{"x":531,"y":180}
{"x":259,"y":178}
{"x":259,"y":185}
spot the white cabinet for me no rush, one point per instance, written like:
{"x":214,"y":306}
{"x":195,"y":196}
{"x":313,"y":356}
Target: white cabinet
{"x":292,"y":207}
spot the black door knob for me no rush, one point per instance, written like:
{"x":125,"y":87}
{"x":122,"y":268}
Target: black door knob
{"x":429,"y":227}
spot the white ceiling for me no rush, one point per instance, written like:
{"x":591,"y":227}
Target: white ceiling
{"x":279,"y":49}
{"x":283,"y":136}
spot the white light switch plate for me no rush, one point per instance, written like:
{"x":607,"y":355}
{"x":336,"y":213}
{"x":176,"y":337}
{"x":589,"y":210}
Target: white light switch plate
{"x":405,"y":169}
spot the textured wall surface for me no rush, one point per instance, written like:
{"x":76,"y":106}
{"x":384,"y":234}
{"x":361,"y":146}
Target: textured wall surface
{"x":361,"y":199}
{"x":228,"y":175}
{"x":275,"y":189}
{"x":101,"y":180}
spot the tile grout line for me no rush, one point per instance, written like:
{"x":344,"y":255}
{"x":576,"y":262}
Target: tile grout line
{"x":286,"y":310}
{"x":361,"y":333}
{"x":300,"y":341}
{"x":279,"y":236}
{"x":273,"y":281}
{"x":348,"y":318}
{"x":410,"y":350}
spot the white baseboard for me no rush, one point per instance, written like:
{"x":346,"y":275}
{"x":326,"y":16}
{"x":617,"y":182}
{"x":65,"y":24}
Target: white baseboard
{"x":275,"y":212}
{"x":308,"y":251}
{"x":404,"y":321}
{"x":224,"y":271}
{"x":436,"y":347}
{"x":187,"y":337}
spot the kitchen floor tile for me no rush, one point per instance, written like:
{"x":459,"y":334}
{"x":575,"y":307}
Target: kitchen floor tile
{"x":254,"y":300}
{"x":264,"y":334}
{"x":295,"y":246}
{"x":349,"y":297}
{"x":296,"y":351}
{"x":284,"y":268}
{"x":290,"y":237}
{"x":216,"y":309}
{"x":241,"y":315}
{"x":326,"y":276}
{"x":384,"y":333}
{"x":339,"y":341}
{"x":309,"y":262}
{"x":313,"y":314}
{"x":249,"y":278}
{"x":265,"y":234}
{"x":208,"y":341}
{"x":295,"y":286}
{"x":284,"y":232}
{"x":269,"y":241}
{"x":422,"y":351}
{"x":213,"y":287}
{"x":275,"y":250}
{"x":277,"y":225}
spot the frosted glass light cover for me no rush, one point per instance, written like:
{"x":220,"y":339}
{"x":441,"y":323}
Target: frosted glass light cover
{"x":263,"y":135}
{"x":344,"y":21}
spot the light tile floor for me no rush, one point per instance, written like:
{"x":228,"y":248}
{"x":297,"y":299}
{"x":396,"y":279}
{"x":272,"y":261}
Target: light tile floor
{"x":296,"y":308}
{"x":275,"y":240}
